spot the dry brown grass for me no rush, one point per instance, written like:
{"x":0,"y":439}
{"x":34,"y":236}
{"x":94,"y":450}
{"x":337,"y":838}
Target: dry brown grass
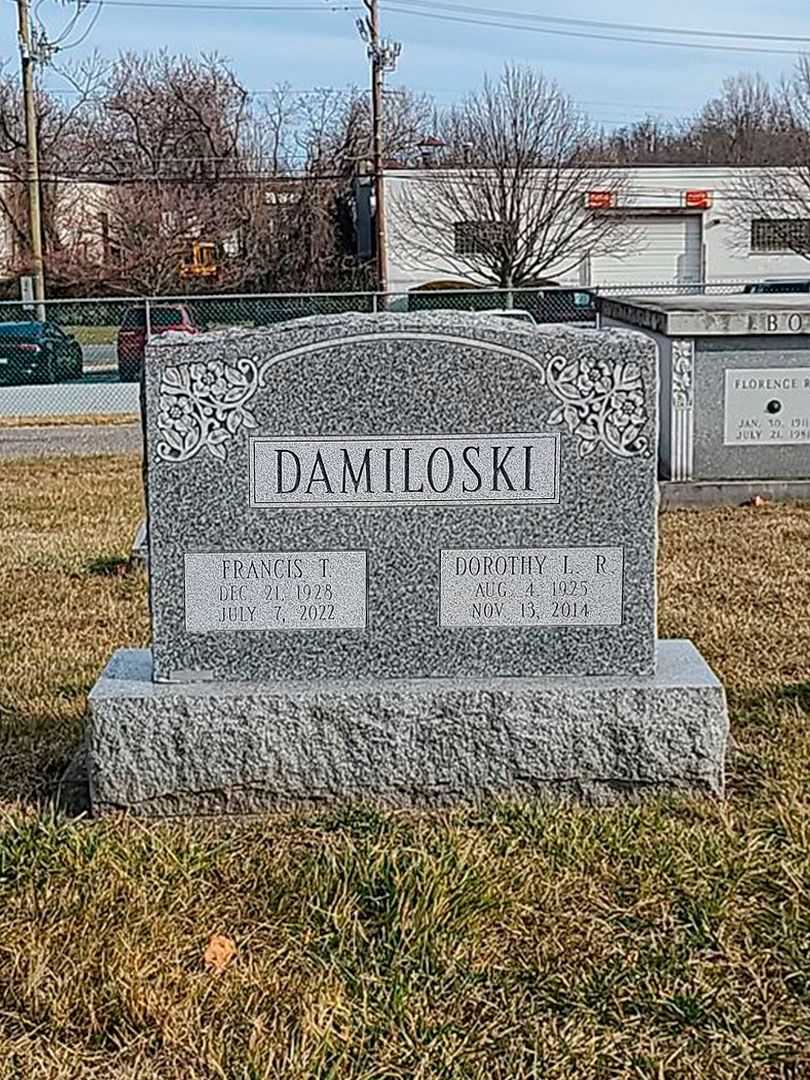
{"x":81,"y":419}
{"x":670,"y":940}
{"x":60,"y":519}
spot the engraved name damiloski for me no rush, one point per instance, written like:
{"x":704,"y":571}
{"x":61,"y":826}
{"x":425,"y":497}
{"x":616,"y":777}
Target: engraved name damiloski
{"x":405,"y":469}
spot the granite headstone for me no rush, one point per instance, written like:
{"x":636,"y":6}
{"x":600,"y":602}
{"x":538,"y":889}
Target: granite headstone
{"x":408,"y":558}
{"x":403,"y":496}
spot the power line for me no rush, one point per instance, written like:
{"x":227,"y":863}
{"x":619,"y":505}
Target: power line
{"x":632,"y":190}
{"x":642,"y":111}
{"x":499,"y":25}
{"x":197,"y":4}
{"x":348,"y":92}
{"x":599,"y":24}
{"x":108,"y":179}
{"x":463,"y":10}
{"x":87,"y":31}
{"x":356,"y":91}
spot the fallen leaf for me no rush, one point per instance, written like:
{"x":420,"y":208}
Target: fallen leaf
{"x":219,"y":953}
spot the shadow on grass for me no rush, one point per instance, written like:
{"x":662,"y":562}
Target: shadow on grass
{"x":37,"y":777}
{"x":70,"y":792}
{"x":754,"y":708}
{"x":111,"y":566}
{"x":770,"y":738}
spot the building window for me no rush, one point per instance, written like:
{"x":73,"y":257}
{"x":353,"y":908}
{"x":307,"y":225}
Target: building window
{"x":478,"y":237}
{"x":780,"y":234}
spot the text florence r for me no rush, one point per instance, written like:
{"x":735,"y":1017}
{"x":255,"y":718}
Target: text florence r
{"x":385,"y":470}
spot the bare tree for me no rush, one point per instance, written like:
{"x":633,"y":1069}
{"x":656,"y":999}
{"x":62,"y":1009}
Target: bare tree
{"x":507,"y":206}
{"x":770,"y":203}
{"x":190,"y":159}
{"x":168,"y":145}
{"x":408,"y":119}
{"x":271,"y":142}
{"x":297,"y":227}
{"x":648,"y":141}
{"x":307,"y":236}
{"x":65,"y":150}
{"x":749,"y":123}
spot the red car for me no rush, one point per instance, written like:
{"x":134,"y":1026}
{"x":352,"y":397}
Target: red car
{"x":132,"y":335}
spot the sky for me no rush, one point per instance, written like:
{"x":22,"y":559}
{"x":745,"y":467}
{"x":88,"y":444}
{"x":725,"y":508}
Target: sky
{"x":615,"y":81}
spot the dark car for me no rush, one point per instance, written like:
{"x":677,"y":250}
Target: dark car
{"x":132,"y":335}
{"x":38,"y":352}
{"x":515,"y":314}
{"x":565,"y":305}
{"x":797,"y":285}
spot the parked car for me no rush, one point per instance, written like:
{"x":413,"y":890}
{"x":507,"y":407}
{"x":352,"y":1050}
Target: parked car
{"x":517,"y":314}
{"x":132,"y":335}
{"x":565,"y":305}
{"x":38,"y":352}
{"x":797,"y":285}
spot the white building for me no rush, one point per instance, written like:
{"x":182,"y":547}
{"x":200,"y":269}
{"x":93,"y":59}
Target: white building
{"x":80,"y":219}
{"x":681,"y":224}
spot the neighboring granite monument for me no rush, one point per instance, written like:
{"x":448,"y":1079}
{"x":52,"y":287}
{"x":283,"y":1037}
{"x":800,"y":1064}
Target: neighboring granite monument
{"x":735,"y":392}
{"x":409,"y":558}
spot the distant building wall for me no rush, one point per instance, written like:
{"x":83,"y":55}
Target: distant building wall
{"x":79,"y":224}
{"x":671,"y":243}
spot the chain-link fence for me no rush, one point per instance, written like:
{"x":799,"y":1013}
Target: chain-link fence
{"x":81,"y":359}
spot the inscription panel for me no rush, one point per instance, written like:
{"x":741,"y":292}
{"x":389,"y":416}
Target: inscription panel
{"x":767,"y":407}
{"x":280,"y":590}
{"x":404,"y":470}
{"x":778,"y":322}
{"x":581,"y":586}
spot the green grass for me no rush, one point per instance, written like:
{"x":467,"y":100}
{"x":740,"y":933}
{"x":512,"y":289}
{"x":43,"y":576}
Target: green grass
{"x":509,"y":941}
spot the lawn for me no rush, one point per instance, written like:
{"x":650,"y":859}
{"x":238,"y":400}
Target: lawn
{"x":69,"y":420}
{"x":509,"y":941}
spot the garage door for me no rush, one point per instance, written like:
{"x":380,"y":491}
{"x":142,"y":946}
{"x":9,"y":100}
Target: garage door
{"x":653,"y":250}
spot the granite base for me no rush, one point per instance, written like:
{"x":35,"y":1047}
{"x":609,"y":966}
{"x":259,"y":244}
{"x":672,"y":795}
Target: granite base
{"x":198,"y":748}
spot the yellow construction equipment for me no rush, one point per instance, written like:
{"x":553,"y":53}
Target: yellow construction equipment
{"x":203,"y":261}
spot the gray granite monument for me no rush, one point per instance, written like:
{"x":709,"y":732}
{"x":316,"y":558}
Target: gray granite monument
{"x":406,"y":558}
{"x":735,"y":391}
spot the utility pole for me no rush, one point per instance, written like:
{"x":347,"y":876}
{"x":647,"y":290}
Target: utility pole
{"x":32,"y":153}
{"x":383,"y":56}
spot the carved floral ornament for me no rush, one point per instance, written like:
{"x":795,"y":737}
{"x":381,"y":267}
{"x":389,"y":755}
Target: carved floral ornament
{"x":204,"y":405}
{"x":683,"y":372}
{"x":602,"y":404}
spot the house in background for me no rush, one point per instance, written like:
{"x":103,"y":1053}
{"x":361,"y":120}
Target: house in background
{"x":75,"y":227}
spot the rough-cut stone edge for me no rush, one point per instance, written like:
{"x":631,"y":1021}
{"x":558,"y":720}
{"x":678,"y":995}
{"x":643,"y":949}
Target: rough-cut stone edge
{"x":157,"y":749}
